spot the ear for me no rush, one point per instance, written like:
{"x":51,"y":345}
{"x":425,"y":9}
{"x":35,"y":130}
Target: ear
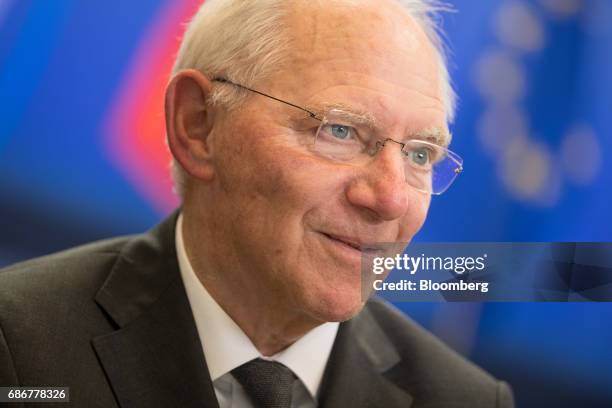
{"x":189,"y":121}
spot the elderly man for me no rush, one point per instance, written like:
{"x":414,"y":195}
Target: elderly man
{"x":302,"y":131}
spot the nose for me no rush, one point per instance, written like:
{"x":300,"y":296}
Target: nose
{"x":382,"y":187}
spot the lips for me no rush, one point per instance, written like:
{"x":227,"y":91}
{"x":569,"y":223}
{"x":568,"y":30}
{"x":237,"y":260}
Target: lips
{"x":346,"y":241}
{"x":349,"y":242}
{"x":354,"y":244}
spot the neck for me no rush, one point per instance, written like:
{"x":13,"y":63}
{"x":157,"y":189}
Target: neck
{"x":269,"y":327}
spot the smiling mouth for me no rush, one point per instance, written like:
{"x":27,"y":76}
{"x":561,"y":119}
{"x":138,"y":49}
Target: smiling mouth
{"x":364,"y":249}
{"x":341,"y":241}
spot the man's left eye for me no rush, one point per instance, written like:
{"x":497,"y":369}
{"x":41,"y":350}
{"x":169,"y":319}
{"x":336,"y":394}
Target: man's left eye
{"x":421,"y":156}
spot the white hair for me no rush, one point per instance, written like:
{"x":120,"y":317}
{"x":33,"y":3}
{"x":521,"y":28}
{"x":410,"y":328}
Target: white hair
{"x":244,"y":41}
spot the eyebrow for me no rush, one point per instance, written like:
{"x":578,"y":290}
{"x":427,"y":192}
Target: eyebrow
{"x":349,"y":113}
{"x":436,"y":135}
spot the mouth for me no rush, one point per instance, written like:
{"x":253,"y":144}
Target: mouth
{"x":355,"y":244}
{"x":352,"y":250}
{"x":347,"y":242}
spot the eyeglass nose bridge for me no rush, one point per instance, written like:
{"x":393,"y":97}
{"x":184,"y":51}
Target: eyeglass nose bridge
{"x":382,"y":143}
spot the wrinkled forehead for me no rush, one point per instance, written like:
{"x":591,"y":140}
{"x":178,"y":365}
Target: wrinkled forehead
{"x":381,"y":35}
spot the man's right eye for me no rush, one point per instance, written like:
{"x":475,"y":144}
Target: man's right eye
{"x":340,"y":132}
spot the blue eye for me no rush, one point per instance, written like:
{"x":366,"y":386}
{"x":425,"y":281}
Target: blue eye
{"x":420,"y":156}
{"x":340,"y":131}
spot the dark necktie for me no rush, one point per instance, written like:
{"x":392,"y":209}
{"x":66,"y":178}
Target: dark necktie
{"x":267,"y":383}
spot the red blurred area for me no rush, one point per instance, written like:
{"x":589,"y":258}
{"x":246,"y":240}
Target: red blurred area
{"x":135,"y":129}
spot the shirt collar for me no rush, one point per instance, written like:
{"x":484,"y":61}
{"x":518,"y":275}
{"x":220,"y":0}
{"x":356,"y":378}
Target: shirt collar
{"x":226,"y":346}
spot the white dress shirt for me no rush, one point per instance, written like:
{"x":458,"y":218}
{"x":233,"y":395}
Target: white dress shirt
{"x":226,"y":346}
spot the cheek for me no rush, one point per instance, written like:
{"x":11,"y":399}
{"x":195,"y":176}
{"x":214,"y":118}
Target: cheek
{"x":268,"y":185}
{"x":284,"y":179}
{"x":412,"y":222}
{"x":281,"y":173}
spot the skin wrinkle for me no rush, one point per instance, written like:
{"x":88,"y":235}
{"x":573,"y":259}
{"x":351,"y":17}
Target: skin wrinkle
{"x":415,"y":86}
{"x":255,"y":220}
{"x":435,"y":135}
{"x":438,"y":135}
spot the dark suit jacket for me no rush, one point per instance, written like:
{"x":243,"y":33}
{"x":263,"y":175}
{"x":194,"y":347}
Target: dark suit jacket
{"x":111,"y":320}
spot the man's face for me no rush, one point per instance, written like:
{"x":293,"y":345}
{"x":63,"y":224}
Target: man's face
{"x":285,"y":217}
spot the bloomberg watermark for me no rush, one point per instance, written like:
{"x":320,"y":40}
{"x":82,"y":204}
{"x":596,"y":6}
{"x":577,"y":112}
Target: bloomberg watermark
{"x":486,"y":271}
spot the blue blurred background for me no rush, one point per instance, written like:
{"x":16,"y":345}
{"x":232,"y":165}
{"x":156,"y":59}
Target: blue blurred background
{"x":82,"y":156}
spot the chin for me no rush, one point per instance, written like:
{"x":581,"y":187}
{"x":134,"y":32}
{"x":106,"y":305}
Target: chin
{"x":342,"y":315}
{"x":328,"y":294}
{"x":336,"y":306}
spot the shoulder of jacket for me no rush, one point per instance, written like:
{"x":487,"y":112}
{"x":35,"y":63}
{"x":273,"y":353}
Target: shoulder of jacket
{"x":436,"y":368}
{"x":55,"y":274}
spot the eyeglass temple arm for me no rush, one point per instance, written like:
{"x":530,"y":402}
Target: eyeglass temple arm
{"x":227,"y":81}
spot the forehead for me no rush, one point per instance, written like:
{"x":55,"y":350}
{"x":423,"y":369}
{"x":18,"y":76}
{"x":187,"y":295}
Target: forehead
{"x":372,"y":32}
{"x":371,"y":56}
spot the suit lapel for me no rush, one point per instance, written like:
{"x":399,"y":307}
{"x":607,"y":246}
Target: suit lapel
{"x":354,"y":376}
{"x":155,"y":357}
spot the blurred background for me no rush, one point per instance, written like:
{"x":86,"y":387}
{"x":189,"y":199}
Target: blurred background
{"x":82,"y":156}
